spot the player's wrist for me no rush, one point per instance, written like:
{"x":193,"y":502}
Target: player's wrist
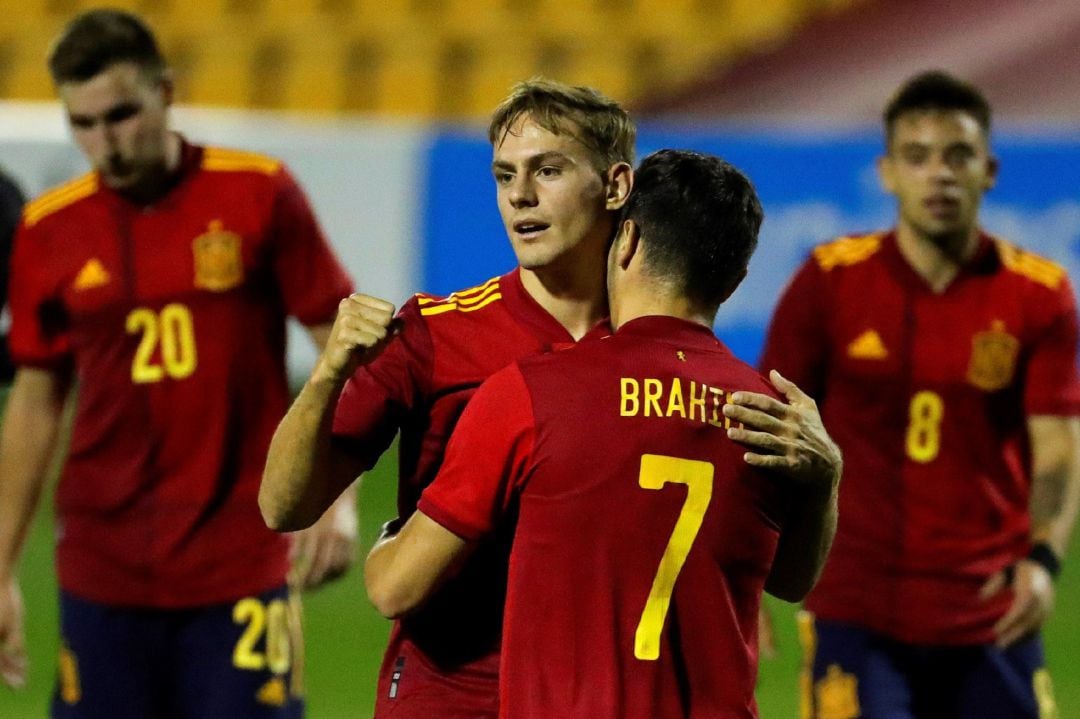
{"x":1044,"y":555}
{"x":327,"y":377}
{"x":390,"y":529}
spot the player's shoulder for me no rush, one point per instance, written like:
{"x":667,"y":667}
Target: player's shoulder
{"x":227,"y":160}
{"x":61,"y":198}
{"x":1028,"y":266}
{"x":467,"y":305}
{"x":847,"y":251}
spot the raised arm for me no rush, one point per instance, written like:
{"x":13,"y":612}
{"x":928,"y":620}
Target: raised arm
{"x":27,"y":441}
{"x":305,"y":471}
{"x":791,"y":440}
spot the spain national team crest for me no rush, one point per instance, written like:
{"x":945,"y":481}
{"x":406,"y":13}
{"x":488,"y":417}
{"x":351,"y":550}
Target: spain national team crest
{"x":219,"y":262}
{"x":993,"y":358}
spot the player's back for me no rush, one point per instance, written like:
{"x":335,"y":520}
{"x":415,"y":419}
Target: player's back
{"x":643,"y":540}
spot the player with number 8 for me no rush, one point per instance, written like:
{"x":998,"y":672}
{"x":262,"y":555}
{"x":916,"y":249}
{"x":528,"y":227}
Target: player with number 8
{"x":944,"y":359}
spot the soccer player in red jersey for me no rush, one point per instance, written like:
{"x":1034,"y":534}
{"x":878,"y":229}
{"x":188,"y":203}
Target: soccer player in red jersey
{"x":644,"y":531}
{"x":945,"y":362}
{"x":562,"y":171}
{"x":160,"y":282}
{"x":562,"y":167}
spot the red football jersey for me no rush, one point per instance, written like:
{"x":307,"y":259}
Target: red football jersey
{"x":443,"y":661}
{"x":927,"y":395}
{"x":173,"y":319}
{"x":642,"y":539}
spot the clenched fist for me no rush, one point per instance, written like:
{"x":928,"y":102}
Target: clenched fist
{"x":363,"y":326}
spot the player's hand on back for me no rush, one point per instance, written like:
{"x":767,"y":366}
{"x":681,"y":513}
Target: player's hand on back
{"x":786,"y":437}
{"x":363,"y":326}
{"x":13,"y":664}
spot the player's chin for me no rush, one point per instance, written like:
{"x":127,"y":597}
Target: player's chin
{"x":534,"y":256}
{"x":120,"y":180}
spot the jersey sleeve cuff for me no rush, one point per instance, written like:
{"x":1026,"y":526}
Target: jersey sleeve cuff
{"x":449,"y":521}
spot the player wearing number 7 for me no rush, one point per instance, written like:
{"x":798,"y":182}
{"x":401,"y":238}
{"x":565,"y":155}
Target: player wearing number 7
{"x":644,"y":536}
{"x":944,"y":361}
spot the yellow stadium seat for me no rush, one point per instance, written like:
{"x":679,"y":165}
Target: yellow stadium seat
{"x":385,"y":17}
{"x":571,"y":18}
{"x":23,"y":74}
{"x":220,"y":71}
{"x":313,"y":78}
{"x":409,"y":80}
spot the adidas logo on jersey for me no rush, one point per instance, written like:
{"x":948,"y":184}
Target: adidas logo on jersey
{"x":868,"y":345}
{"x":92,"y":275}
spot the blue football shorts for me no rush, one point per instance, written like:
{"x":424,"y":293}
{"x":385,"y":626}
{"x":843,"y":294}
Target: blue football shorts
{"x":852,"y":673}
{"x":240,"y":660}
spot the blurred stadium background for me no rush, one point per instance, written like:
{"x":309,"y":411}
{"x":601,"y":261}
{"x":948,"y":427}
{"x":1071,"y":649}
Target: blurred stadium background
{"x":379,"y":107}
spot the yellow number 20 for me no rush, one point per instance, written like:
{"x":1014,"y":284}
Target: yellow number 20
{"x":656,"y":471}
{"x":174,"y":331}
{"x":271,"y":619}
{"x":924,"y":426}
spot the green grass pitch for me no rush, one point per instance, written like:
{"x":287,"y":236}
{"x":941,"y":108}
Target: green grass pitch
{"x":345,"y":637}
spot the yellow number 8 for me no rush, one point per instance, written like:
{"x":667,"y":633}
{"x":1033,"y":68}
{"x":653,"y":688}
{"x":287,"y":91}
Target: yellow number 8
{"x":924,"y":426}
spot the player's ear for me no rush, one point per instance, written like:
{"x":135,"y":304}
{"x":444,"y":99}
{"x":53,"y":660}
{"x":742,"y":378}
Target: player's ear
{"x":992,"y":165}
{"x":619,"y":182}
{"x":627,"y":243}
{"x":168,"y":87}
{"x":885,"y":169}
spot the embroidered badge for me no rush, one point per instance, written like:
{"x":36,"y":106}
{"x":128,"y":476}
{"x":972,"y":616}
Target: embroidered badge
{"x":993,"y":358}
{"x":219,"y":263}
{"x":838,"y":695}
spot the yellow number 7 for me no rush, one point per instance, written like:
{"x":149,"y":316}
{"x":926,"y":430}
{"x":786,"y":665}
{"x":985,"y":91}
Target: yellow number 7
{"x":656,"y":471}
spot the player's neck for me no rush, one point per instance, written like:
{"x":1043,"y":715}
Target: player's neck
{"x":158,"y":183}
{"x":647,"y":300}
{"x":576,"y":299}
{"x":937,"y":261}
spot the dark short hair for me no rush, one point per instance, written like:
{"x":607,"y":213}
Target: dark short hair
{"x":98,"y":39}
{"x":936,"y":90}
{"x":699,"y":218}
{"x":600,"y":123}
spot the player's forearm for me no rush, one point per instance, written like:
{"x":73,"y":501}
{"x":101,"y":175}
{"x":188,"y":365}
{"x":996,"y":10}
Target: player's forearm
{"x":804,"y":546}
{"x":1055,"y":483}
{"x":384,"y":590}
{"x":27,"y":441}
{"x":404,"y":568}
{"x":303,"y":474}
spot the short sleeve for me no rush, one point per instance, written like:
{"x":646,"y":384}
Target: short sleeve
{"x":796,"y":343}
{"x":1051,"y":385}
{"x":311,"y":279}
{"x":379,"y":397}
{"x":39,"y":334}
{"x":487,"y":460}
